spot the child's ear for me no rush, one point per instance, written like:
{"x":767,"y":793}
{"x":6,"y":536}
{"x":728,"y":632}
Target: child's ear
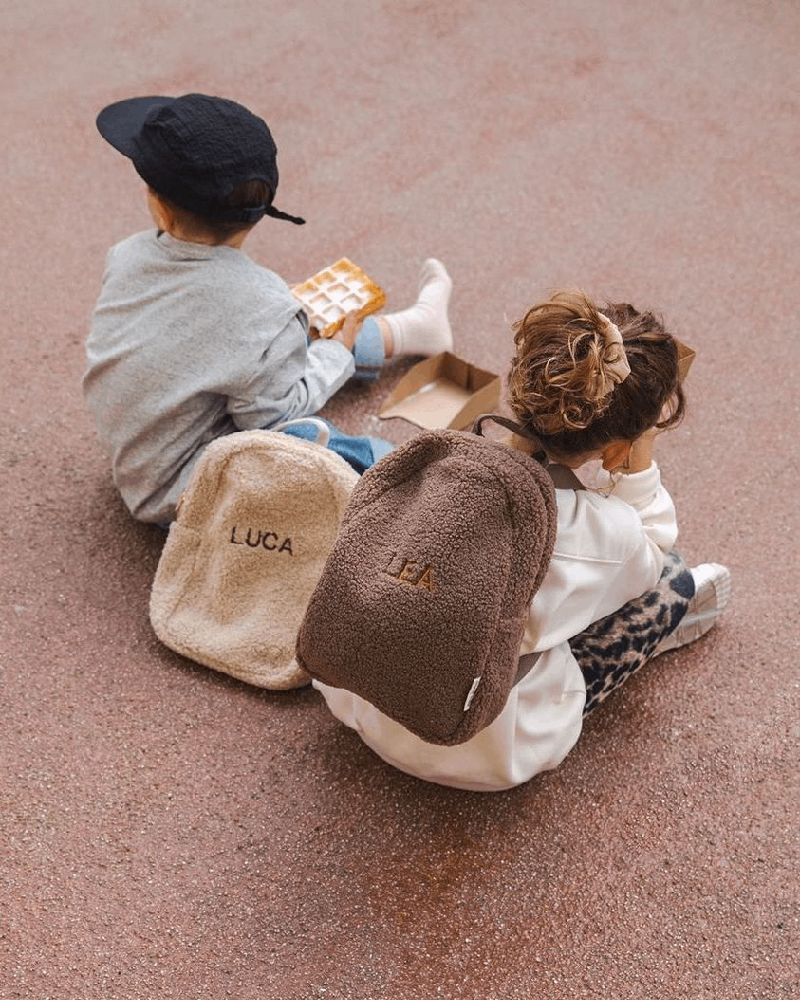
{"x":615,"y":455}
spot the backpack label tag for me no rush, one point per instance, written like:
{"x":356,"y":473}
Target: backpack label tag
{"x":471,"y":694}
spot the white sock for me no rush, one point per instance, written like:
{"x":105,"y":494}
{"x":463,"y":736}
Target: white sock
{"x":712,"y":590}
{"x":424,"y":329}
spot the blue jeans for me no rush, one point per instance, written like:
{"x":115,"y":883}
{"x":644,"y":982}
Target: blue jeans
{"x":368,"y":350}
{"x":359,"y":451}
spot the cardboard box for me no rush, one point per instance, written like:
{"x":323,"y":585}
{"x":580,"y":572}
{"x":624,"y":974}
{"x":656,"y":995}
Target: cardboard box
{"x":443,"y":392}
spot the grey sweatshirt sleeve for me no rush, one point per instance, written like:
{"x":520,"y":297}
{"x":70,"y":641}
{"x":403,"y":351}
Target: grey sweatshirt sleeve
{"x":293,"y":379}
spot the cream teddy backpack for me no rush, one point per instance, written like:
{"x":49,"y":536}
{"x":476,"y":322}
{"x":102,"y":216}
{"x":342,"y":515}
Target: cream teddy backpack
{"x":253,"y":530}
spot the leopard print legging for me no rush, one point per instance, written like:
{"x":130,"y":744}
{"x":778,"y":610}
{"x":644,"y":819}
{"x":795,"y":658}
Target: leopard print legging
{"x":612,"y":649}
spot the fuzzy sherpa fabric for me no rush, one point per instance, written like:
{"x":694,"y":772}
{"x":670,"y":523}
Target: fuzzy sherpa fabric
{"x":253,"y":531}
{"x":420,"y":608}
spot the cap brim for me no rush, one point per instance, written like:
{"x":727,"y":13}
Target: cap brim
{"x":120,"y":123}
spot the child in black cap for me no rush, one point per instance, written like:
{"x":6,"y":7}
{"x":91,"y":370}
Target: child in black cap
{"x":190,"y":338}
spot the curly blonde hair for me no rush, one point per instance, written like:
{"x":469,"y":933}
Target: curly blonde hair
{"x":557,"y":379}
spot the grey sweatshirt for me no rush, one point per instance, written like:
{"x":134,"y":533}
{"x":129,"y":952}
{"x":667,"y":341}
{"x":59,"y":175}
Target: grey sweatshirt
{"x":190,"y":342}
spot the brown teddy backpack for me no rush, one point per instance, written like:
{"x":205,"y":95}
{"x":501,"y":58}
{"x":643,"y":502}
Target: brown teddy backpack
{"x":421,"y":605}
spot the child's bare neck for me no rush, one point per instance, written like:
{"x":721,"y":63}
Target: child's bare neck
{"x":186,"y":236}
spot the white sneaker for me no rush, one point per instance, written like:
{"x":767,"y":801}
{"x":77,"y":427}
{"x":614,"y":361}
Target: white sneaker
{"x":712,"y":590}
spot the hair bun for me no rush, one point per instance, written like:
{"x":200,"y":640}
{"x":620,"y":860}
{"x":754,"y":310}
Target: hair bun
{"x":569,"y":358}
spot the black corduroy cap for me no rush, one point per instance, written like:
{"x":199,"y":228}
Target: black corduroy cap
{"x":194,"y":150}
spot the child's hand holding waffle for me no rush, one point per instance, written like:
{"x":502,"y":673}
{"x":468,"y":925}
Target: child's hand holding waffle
{"x":351,"y":324}
{"x":335,"y":292}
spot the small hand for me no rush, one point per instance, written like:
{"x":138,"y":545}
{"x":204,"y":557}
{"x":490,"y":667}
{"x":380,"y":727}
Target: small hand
{"x":349,"y":331}
{"x":630,"y":456}
{"x":641,"y":454}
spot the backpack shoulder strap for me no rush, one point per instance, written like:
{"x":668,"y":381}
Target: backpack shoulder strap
{"x":509,"y":424}
{"x":563,"y":478}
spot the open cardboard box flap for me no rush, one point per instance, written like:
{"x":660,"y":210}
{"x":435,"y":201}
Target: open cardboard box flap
{"x":685,"y":358}
{"x":443,"y":392}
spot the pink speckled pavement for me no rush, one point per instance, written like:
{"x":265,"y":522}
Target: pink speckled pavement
{"x":168,"y":832}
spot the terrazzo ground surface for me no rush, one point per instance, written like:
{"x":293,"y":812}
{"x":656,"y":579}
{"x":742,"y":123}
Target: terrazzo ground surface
{"x":168,"y":832}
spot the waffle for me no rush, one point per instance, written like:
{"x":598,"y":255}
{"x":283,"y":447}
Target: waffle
{"x":336,"y":290}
